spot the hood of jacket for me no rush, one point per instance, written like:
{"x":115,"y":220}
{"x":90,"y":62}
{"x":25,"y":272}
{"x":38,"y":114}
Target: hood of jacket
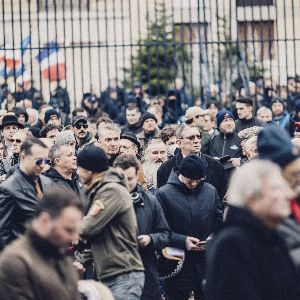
{"x":108,"y":176}
{"x":176,"y":183}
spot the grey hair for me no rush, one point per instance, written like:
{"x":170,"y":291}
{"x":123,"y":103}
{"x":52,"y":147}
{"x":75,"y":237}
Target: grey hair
{"x":248,"y":181}
{"x":263,"y":109}
{"x":182,"y":128}
{"x":33,"y":113}
{"x":55,"y":151}
{"x":109,"y":127}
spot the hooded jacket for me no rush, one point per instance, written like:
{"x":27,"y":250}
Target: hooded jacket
{"x":199,"y":210}
{"x":110,"y":226}
{"x":215,"y":173}
{"x":196,"y":213}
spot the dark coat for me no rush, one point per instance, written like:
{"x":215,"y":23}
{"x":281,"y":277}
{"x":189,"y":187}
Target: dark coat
{"x":35,"y":129}
{"x":196,"y":213}
{"x":215,"y":173}
{"x":225,"y":144}
{"x":135,"y":128}
{"x":151,"y":221}
{"x":18,"y":201}
{"x":247,"y":260}
{"x":31,"y":268}
{"x":63,"y":182}
{"x":243,"y":124}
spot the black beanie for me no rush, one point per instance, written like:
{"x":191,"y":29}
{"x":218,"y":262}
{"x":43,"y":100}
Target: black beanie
{"x":222,"y":114}
{"x":93,"y":159}
{"x":49,"y":113}
{"x":146,"y":116}
{"x":192,"y":167}
{"x":273,"y":143}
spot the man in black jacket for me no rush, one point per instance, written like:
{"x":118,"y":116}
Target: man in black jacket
{"x":245,"y":111}
{"x":152,"y":225}
{"x":227,"y":142}
{"x":63,"y":167}
{"x":189,"y":140}
{"x":20,"y":193}
{"x":248,"y":258}
{"x":133,"y":120}
{"x":193,"y":211}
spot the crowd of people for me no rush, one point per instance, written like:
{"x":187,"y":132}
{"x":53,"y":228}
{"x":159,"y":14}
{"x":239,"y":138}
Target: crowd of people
{"x":149,"y":197}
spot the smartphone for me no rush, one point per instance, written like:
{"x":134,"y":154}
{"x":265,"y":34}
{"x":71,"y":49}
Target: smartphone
{"x":201,"y":243}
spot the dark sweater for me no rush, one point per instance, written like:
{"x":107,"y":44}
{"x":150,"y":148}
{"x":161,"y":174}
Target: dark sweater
{"x":242,"y":124}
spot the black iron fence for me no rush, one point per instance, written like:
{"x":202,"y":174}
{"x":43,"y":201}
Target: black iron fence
{"x":218,"y":48}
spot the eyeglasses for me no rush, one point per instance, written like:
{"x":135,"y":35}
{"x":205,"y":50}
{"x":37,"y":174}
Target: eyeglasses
{"x":78,"y":126}
{"x":39,"y":162}
{"x":193,"y":137}
{"x":16,"y":140}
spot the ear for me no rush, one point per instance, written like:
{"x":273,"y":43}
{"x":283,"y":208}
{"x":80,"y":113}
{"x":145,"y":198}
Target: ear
{"x":56,"y":161}
{"x":45,"y":221}
{"x":22,"y":156}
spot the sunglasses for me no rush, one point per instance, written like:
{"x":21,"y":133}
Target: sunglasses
{"x":39,"y":162}
{"x":78,"y":126}
{"x":193,"y":137}
{"x":16,"y":140}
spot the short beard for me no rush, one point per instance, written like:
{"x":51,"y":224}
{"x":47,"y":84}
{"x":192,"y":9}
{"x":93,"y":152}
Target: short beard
{"x":150,"y":171}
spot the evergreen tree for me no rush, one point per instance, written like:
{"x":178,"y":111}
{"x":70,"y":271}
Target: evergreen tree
{"x":160,"y":56}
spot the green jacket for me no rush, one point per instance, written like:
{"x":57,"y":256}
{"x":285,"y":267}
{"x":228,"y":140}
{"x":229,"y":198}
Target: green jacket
{"x":111,"y":227}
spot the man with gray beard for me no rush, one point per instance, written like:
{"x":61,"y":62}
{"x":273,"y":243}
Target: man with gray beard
{"x":155,"y":155}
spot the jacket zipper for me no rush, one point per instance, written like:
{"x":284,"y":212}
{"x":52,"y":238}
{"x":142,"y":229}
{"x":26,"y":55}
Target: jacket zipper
{"x":224,"y":145}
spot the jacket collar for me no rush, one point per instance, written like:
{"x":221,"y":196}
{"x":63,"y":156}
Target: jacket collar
{"x":142,"y":134}
{"x":244,"y":218}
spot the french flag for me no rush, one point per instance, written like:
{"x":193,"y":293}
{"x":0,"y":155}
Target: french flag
{"x":11,"y":60}
{"x":52,"y":62}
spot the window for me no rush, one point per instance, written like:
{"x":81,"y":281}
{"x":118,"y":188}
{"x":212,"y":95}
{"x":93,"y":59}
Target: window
{"x":254,"y":2}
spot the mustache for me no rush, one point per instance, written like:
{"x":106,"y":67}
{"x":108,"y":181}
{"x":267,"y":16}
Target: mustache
{"x":81,"y":131}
